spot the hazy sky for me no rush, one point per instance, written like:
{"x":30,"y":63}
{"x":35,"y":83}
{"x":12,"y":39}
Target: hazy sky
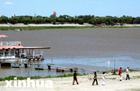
{"x":70,"y":7}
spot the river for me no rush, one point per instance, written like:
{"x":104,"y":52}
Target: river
{"x":86,"y":48}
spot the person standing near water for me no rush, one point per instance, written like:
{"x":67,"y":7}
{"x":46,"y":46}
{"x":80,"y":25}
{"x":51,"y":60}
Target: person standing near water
{"x":95,"y":79}
{"x":75,"y":77}
{"x":120,"y":73}
{"x":127,"y":74}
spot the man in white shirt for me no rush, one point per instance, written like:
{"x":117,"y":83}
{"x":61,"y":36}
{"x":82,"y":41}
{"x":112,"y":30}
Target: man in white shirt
{"x":127,"y":74}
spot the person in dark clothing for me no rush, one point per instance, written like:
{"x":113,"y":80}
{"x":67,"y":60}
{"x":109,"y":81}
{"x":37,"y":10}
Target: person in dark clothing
{"x":75,"y":77}
{"x":95,"y":79}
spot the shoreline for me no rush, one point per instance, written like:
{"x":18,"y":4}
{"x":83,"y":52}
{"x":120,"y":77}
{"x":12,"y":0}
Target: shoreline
{"x":109,"y":75}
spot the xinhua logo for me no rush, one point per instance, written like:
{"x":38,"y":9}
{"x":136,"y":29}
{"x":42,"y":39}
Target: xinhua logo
{"x":29,"y":83}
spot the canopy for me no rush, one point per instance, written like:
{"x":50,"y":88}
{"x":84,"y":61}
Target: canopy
{"x":10,"y":47}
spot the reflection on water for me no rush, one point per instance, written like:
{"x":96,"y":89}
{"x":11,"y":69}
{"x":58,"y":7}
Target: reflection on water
{"x":85,"y":65}
{"x":121,"y":61}
{"x":26,"y":72}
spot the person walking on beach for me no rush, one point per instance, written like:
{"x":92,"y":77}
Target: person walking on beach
{"x":103,"y":79}
{"x":95,"y":79}
{"x":75,"y":77}
{"x":120,"y":73}
{"x":127,"y":74}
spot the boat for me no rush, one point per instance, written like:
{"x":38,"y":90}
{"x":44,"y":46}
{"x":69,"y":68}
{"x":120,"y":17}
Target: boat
{"x":15,"y":55}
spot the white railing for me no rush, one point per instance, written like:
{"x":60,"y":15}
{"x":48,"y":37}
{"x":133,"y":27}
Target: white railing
{"x":8,"y":59}
{"x":10,"y":43}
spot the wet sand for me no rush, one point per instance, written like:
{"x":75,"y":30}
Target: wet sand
{"x":82,"y":43}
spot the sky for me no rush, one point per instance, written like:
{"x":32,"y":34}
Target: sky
{"x":70,"y":7}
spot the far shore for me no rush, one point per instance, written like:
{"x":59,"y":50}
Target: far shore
{"x":21,"y":26}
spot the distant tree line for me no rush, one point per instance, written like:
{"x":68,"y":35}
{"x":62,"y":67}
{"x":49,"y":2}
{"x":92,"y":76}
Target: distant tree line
{"x":62,"y":19}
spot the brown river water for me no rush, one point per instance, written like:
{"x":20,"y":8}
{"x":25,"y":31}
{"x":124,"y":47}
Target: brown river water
{"x":81,"y":47}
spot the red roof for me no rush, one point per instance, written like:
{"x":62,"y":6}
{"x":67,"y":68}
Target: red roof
{"x":3,"y":36}
{"x":22,"y":47}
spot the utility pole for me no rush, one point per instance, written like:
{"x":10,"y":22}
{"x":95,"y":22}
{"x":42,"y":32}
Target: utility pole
{"x":114,"y":72}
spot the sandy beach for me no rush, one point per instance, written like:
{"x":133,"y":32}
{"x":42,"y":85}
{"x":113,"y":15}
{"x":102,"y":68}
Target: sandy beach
{"x":41,"y":25}
{"x":65,"y":84}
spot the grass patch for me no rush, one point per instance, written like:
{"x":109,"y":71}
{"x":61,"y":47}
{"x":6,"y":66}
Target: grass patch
{"x":12,"y":78}
{"x":36,"y":77}
{"x":16,"y":28}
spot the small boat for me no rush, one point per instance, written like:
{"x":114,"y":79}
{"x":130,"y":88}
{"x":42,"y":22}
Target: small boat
{"x":39,"y":68}
{"x":13,"y":52}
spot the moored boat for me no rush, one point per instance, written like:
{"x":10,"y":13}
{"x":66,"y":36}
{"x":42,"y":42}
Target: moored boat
{"x":14,"y":54}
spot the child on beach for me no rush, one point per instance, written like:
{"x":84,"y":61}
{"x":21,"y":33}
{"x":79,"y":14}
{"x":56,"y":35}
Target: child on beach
{"x":90,"y":76}
{"x":103,"y":79}
{"x":75,"y":77}
{"x":120,"y":73}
